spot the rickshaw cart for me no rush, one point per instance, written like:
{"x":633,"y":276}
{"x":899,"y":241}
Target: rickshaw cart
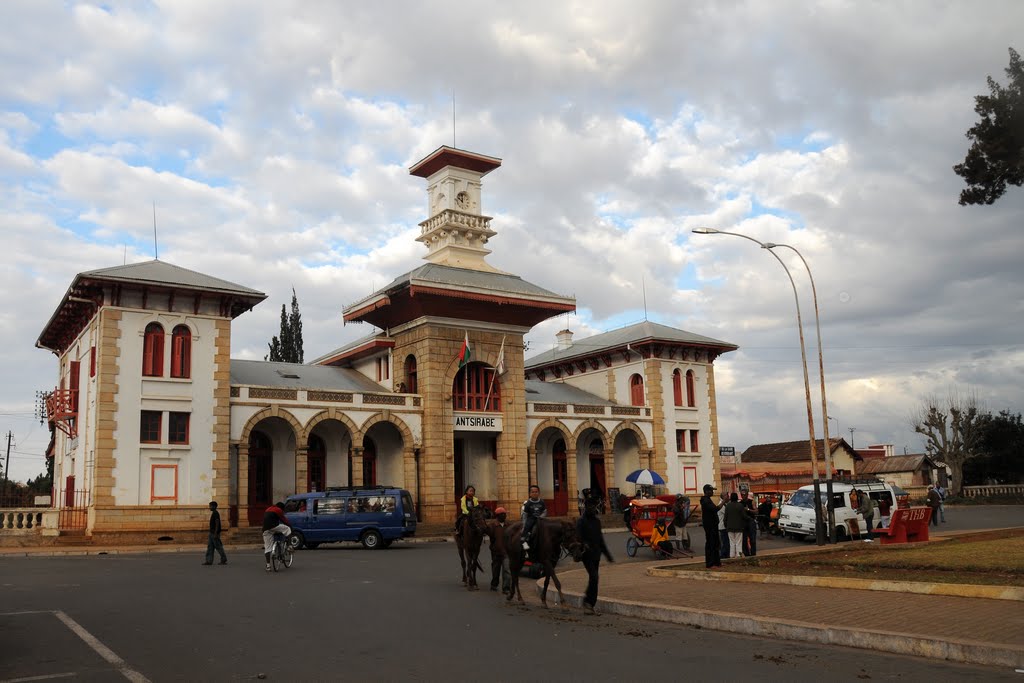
{"x":643,"y":513}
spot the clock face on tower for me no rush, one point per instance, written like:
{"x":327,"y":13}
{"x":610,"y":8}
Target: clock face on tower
{"x":462,"y":200}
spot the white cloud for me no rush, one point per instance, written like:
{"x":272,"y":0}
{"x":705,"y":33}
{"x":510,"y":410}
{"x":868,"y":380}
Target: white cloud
{"x":275,"y":140}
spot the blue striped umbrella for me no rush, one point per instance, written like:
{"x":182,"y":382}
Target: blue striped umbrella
{"x":646,"y":477}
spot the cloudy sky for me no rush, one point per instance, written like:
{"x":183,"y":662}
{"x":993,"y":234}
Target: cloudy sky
{"x":275,"y":141}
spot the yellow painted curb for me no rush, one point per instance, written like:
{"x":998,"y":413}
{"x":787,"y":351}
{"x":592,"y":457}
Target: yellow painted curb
{"x":948,"y":589}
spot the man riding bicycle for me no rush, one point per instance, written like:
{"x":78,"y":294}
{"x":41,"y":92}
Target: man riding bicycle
{"x":274,"y":522}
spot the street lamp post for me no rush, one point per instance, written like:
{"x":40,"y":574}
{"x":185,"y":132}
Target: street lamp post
{"x":827,"y":445}
{"x":818,"y":526}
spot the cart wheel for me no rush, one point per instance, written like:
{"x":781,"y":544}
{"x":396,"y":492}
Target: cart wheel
{"x":631,"y":545}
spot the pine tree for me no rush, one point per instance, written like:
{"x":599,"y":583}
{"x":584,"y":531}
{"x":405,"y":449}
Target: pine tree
{"x":287,"y":348}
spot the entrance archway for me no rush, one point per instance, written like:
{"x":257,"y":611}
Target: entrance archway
{"x":261,"y":476}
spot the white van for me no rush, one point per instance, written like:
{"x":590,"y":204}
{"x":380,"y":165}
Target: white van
{"x":797,"y":515}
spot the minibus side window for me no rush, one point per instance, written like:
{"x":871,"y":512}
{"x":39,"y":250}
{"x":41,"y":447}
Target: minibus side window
{"x":330,"y":506}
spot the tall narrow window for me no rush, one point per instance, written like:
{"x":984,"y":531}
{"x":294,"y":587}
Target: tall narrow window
{"x":92,"y":361}
{"x":153,"y":351}
{"x":177,"y":428}
{"x":475,"y":388}
{"x":636,"y":390}
{"x":691,"y":395}
{"x":677,"y":387}
{"x":410,"y":374}
{"x":149,"y":429}
{"x":74,"y":371}
{"x":680,"y":440}
{"x":181,"y":352}
{"x":694,"y":441}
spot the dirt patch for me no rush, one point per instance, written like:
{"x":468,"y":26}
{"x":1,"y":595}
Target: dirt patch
{"x":988,"y":558}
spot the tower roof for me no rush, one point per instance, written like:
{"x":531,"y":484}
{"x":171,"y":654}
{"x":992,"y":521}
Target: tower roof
{"x":449,"y":156}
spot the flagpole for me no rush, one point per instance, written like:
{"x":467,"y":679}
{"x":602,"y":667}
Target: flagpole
{"x":494,"y":374}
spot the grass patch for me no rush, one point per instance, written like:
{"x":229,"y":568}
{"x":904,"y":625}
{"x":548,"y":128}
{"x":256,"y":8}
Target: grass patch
{"x":989,"y":558}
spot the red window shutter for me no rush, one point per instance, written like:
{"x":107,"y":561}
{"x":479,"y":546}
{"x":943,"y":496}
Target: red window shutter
{"x":92,"y":362}
{"x":153,"y":351}
{"x":677,"y":387}
{"x":694,"y":441}
{"x":636,"y":387}
{"x":74,"y":371}
{"x":690,"y":393}
{"x":181,"y":352}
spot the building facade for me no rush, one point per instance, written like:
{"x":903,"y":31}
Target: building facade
{"x":154,"y":419}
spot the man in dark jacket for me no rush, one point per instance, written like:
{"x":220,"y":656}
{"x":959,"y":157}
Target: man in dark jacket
{"x":934,"y":501}
{"x":214,"y":543}
{"x":709,"y":520}
{"x":588,"y":527}
{"x":750,"y":531}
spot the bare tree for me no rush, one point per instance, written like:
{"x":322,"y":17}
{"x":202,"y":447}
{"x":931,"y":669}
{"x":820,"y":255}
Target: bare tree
{"x":952,"y":429}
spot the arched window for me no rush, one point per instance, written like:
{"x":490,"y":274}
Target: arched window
{"x":636,"y":390}
{"x":410,"y":374}
{"x":153,"y":351}
{"x":181,"y":352}
{"x":316,"y":464}
{"x":691,"y":394}
{"x":476,"y":389}
{"x":677,"y":387}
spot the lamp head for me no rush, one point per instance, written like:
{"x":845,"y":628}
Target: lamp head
{"x":704,"y":231}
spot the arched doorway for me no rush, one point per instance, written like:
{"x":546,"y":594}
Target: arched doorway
{"x":316,"y":464}
{"x":595,"y":452}
{"x":369,"y":462}
{"x":559,"y":479}
{"x":261,"y":479}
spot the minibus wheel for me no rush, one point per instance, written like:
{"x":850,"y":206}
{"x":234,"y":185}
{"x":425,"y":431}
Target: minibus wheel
{"x":372,"y":540}
{"x":296,"y":540}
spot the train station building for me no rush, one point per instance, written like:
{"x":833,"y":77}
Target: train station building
{"x":153,"y":419}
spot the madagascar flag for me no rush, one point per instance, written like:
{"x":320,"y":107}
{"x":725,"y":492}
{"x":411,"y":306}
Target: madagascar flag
{"x":465,"y":353}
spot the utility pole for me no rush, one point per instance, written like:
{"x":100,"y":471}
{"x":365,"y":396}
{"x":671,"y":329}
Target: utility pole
{"x":7,"y":464}
{"x":852,"y":430}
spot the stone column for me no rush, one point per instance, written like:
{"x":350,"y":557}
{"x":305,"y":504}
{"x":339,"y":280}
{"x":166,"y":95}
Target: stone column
{"x":531,"y":454}
{"x":302,"y":469}
{"x":608,"y":455}
{"x":409,"y":469}
{"x":243,"y":484}
{"x":571,"y":478}
{"x":357,"y":466}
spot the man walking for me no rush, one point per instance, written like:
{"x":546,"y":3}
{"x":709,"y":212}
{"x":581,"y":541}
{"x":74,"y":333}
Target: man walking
{"x":214,"y":542}
{"x":588,"y":527}
{"x":934,"y":502}
{"x":750,"y":531}
{"x":709,"y":520}
{"x":942,"y":502}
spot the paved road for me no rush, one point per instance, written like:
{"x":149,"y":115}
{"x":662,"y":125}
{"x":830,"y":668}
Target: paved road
{"x":345,"y":612}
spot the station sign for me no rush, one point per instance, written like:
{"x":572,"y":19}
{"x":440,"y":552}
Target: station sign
{"x":475,"y":422}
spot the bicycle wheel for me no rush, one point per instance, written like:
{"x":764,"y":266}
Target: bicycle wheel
{"x":631,"y":546}
{"x":288,"y":555}
{"x":275,"y":555}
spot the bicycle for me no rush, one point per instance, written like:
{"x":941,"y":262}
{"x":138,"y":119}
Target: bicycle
{"x":281,"y":553}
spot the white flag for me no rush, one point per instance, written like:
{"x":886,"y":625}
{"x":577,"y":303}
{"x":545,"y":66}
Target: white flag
{"x":499,"y":367}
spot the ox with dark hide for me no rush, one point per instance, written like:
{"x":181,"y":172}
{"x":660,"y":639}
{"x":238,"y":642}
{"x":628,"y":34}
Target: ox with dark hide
{"x":468,"y":539}
{"x":550,"y":538}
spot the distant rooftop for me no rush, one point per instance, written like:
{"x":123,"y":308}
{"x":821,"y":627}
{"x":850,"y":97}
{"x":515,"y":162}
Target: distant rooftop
{"x":296,"y":376}
{"x":557,"y":392}
{"x":631,"y":334}
{"x":157,"y":272}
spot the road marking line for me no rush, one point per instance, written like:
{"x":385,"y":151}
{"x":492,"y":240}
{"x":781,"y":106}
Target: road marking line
{"x":39,"y":678}
{"x":101,"y":649}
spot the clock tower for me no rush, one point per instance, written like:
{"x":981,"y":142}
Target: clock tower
{"x":456,"y":231}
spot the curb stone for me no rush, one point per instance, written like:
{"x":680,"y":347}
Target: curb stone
{"x":966,"y":651}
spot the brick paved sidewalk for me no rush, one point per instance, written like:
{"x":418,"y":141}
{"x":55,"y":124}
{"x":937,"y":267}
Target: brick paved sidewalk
{"x":985,"y":629}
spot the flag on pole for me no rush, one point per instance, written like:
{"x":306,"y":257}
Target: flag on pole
{"x":499,"y":367}
{"x":465,"y":353}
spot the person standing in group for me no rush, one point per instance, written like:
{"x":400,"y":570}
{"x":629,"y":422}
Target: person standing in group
{"x":499,"y":556}
{"x":884,"y":509}
{"x":737,"y":519}
{"x":214,"y":543}
{"x":680,"y":514}
{"x":934,"y":502}
{"x":709,"y":520}
{"x":750,"y":533}
{"x":723,"y":535}
{"x":588,"y":528}
{"x":866,"y":508}
{"x":942,"y":502}
{"x":764,"y":515}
